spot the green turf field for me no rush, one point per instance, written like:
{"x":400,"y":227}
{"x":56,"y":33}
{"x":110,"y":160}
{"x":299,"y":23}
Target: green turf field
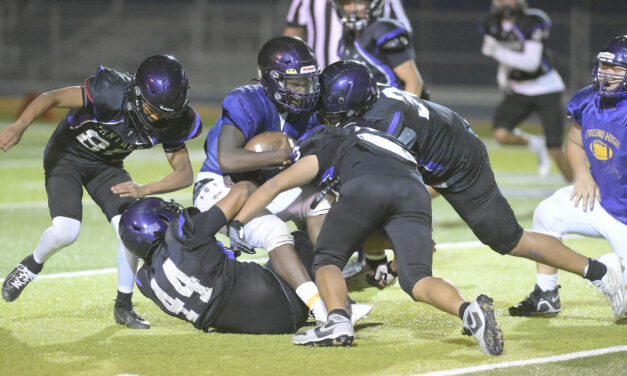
{"x":64,"y":325}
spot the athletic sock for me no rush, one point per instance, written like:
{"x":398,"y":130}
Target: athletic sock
{"x":546,"y":282}
{"x":31,"y":264}
{"x":341,"y":312}
{"x":308,"y":293}
{"x":595,"y":270}
{"x":124,"y":299}
{"x":462,"y":309}
{"x":375,"y":260}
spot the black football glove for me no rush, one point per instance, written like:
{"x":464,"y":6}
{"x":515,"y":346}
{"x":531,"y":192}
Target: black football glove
{"x":238,"y":241}
{"x":382,"y":276}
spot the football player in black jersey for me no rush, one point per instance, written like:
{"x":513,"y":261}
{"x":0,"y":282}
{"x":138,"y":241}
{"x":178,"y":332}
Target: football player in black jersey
{"x":383,"y":44}
{"x":452,"y":159}
{"x":109,"y":116}
{"x":378,"y":186}
{"x":516,"y":37}
{"x":190,"y":275}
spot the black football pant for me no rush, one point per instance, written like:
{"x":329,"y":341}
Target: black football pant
{"x":400,"y":204}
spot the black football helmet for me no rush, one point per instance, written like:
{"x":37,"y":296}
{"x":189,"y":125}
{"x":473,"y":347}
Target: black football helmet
{"x":288,"y":72}
{"x":354,"y":20}
{"x":160,"y":87}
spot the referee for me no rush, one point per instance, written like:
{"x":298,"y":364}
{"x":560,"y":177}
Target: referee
{"x":319,"y":22}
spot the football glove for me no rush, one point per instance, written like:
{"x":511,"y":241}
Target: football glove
{"x":382,"y":276}
{"x":238,"y":241}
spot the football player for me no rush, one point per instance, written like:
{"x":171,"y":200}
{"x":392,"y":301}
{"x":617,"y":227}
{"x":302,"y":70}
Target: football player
{"x":378,"y":185}
{"x":383,"y":44}
{"x":597,"y":139}
{"x":516,"y":37}
{"x":454,"y":161}
{"x":111,"y":115}
{"x":283,"y":101}
{"x":190,"y":275}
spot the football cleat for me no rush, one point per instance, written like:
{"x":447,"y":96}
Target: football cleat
{"x":338,"y":331}
{"x":16,"y":281}
{"x":479,"y":321}
{"x":353,"y":267}
{"x":126,"y":315}
{"x":612,"y":284}
{"x":538,"y":303}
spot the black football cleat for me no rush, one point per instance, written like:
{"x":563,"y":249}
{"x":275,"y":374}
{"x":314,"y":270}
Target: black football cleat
{"x":538,"y":303}
{"x":126,"y":315}
{"x":16,"y":281}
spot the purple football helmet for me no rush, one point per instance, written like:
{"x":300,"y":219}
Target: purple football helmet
{"x":354,"y":21}
{"x":144,"y":223}
{"x":288,"y":72}
{"x":160,"y":84}
{"x":347,"y":88}
{"x":613,"y":53}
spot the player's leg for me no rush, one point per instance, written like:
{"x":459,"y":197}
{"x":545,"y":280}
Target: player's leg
{"x":346,"y":226}
{"x":549,"y":107}
{"x":64,"y":189}
{"x":514,"y":109}
{"x":409,"y":232}
{"x":100,"y":179}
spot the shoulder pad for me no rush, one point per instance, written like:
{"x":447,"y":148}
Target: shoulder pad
{"x":388,"y":34}
{"x":535,"y":24}
{"x":107,"y":91}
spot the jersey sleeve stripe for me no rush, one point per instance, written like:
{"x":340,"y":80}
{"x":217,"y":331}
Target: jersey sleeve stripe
{"x":390,"y":35}
{"x":394,"y":123}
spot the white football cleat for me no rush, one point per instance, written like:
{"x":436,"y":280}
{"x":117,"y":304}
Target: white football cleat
{"x":479,"y":321}
{"x":612,"y":284}
{"x":337,"y":332}
{"x":538,"y":146}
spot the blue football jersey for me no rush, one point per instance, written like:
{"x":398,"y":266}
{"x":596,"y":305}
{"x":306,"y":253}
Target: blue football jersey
{"x":604,"y":134}
{"x":251,"y":111}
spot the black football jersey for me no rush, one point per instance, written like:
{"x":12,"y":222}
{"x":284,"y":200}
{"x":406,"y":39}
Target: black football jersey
{"x":347,"y":153}
{"x":382,"y":45}
{"x":445,"y":146}
{"x":190,"y":275}
{"x":102,"y":130}
{"x":531,"y":24}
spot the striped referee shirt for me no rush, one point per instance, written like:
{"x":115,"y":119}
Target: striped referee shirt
{"x":324,"y":28}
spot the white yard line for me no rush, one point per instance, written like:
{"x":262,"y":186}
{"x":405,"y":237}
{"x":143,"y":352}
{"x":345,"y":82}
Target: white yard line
{"x":518,"y":363}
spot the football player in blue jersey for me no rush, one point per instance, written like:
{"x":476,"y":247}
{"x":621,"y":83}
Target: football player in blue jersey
{"x":110,"y":115}
{"x":455,"y":162}
{"x":283,"y":101}
{"x":516,"y":37}
{"x":383,"y":44}
{"x":597,"y":149}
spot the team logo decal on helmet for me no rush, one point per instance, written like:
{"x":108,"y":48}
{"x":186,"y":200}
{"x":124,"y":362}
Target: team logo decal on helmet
{"x":288,"y":72}
{"x":347,"y":88}
{"x":609,"y":73}
{"x":158,"y":93}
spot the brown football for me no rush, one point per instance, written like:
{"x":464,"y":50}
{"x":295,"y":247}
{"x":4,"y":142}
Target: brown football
{"x":267,"y":141}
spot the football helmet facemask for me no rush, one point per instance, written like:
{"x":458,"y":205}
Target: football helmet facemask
{"x":364,"y":12}
{"x":609,"y":73}
{"x":144,"y":223}
{"x":158,"y":92}
{"x":288,"y":72}
{"x":347,"y":88}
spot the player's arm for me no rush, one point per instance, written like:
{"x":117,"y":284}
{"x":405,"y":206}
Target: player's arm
{"x":181,"y":176}
{"x":585,"y":188}
{"x":69,"y":97}
{"x":295,"y":26}
{"x":408,"y":73}
{"x":232,"y":157}
{"x":300,"y":173}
